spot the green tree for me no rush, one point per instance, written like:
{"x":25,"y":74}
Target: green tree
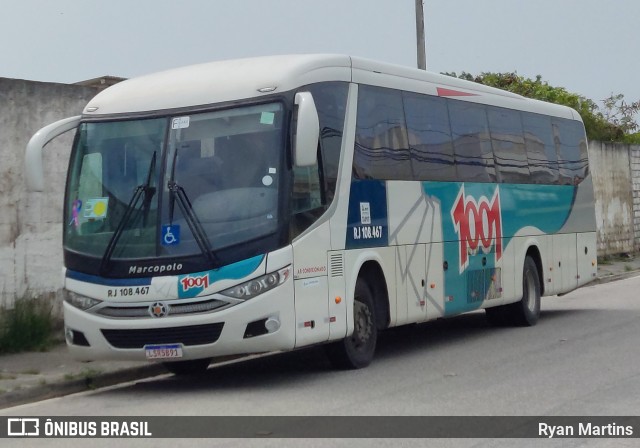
{"x":615,"y":122}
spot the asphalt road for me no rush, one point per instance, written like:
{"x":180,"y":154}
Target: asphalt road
{"x":583,"y":358}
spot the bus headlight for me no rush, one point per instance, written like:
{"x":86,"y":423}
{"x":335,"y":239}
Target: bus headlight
{"x":79,"y":301}
{"x":252,"y":288}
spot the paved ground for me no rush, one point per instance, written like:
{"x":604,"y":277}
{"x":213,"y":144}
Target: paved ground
{"x":33,"y":376}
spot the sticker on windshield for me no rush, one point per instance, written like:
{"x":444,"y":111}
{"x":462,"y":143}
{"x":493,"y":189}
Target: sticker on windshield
{"x":267,"y":118}
{"x":75,"y":213}
{"x":170,"y":235}
{"x":96,"y":208}
{"x":267,"y":180}
{"x":180,"y":123}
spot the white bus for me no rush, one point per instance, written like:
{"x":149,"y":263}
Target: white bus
{"x":273,"y":203}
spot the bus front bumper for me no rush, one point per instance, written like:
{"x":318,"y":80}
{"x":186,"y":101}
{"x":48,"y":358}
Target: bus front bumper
{"x":239,"y":329}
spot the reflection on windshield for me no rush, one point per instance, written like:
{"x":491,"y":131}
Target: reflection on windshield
{"x":119,"y":204}
{"x":227,"y":163}
{"x":110,"y":164}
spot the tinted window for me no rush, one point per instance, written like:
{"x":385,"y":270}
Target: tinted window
{"x":429,"y":137}
{"x":541,"y":151}
{"x":331,"y":101}
{"x":381,"y":147}
{"x":471,"y":142}
{"x":571,"y":148}
{"x":508,"y":145}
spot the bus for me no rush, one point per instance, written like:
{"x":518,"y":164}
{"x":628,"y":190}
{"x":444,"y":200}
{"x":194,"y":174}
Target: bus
{"x":267,"y":204}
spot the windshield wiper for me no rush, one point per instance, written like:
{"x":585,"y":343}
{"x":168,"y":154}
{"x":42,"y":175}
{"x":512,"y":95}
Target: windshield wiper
{"x":199,"y":234}
{"x":176,"y":191}
{"x":144,"y":189}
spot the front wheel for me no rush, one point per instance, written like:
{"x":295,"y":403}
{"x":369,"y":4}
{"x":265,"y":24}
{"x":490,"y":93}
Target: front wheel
{"x":356,"y":351}
{"x":192,"y":367}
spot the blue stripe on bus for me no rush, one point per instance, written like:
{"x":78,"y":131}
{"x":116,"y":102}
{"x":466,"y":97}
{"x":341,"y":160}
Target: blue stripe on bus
{"x":190,"y":285}
{"x":74,"y":275}
{"x":545,"y":207}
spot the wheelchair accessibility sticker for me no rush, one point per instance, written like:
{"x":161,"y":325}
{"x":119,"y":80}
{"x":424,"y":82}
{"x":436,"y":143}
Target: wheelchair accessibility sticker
{"x":170,"y":235}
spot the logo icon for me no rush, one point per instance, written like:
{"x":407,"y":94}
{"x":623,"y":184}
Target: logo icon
{"x":170,"y":235}
{"x":29,"y":427}
{"x":478,"y":224}
{"x":159,"y":309}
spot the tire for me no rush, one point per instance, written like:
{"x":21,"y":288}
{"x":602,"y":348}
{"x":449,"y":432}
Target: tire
{"x":525,"y":312}
{"x":192,"y":367}
{"x":356,"y":351}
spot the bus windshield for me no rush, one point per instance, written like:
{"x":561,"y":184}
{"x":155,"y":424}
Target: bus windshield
{"x":174,"y":186}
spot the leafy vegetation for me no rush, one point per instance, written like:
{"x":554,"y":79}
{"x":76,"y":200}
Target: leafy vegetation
{"x":613,"y":121}
{"x":28,"y":326}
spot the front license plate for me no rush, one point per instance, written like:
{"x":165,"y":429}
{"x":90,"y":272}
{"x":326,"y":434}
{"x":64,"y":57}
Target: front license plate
{"x":170,"y":351}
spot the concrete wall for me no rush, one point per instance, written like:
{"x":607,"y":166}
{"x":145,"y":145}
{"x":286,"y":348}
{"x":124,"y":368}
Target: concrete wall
{"x":635,"y":181}
{"x":30,"y":224}
{"x":610,"y":169}
{"x":31,"y":227}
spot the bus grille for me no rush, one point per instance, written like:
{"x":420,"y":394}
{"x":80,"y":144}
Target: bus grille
{"x":174,"y":309}
{"x":192,"y":335}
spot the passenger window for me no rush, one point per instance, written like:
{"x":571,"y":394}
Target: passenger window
{"x":429,"y":135}
{"x":541,"y":151}
{"x":508,"y":145}
{"x":572,"y":151}
{"x":381,"y":146}
{"x":331,"y":102}
{"x":471,"y":142}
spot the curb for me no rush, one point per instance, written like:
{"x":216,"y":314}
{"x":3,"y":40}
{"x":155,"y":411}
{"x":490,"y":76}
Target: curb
{"x":615,"y":277}
{"x":102,"y":380}
{"x":60,"y":389}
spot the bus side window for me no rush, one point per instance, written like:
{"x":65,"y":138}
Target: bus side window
{"x":331,"y":102}
{"x":508,"y":145}
{"x":572,"y":151}
{"x":541,"y":151}
{"x":382,"y":146}
{"x":472,"y":142}
{"x":306,"y":199}
{"x":429,"y":137}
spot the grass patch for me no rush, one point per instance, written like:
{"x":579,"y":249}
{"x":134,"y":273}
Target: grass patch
{"x":603,"y":261}
{"x":27,"y":327}
{"x":86,"y":374}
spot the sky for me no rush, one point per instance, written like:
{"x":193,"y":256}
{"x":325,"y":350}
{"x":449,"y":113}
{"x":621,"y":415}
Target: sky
{"x":590,"y":47}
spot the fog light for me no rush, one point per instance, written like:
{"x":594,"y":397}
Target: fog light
{"x":272,"y":325}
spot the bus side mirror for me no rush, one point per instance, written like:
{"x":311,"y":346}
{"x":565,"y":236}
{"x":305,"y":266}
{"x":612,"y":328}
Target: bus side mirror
{"x":305,"y":145}
{"x":33,"y":154}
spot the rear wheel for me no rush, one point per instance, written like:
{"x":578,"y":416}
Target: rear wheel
{"x":356,"y":351}
{"x":525,"y":312}
{"x":192,"y":367}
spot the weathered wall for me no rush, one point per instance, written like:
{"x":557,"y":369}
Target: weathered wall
{"x":635,"y":177}
{"x":609,"y":164}
{"x":30,"y":224}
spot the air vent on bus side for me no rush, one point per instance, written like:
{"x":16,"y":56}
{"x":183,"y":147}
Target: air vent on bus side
{"x":336,"y":265}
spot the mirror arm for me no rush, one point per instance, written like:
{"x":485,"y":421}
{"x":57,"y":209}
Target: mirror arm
{"x":33,"y":154}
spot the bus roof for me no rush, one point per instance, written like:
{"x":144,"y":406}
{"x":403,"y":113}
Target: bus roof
{"x":239,"y":79}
